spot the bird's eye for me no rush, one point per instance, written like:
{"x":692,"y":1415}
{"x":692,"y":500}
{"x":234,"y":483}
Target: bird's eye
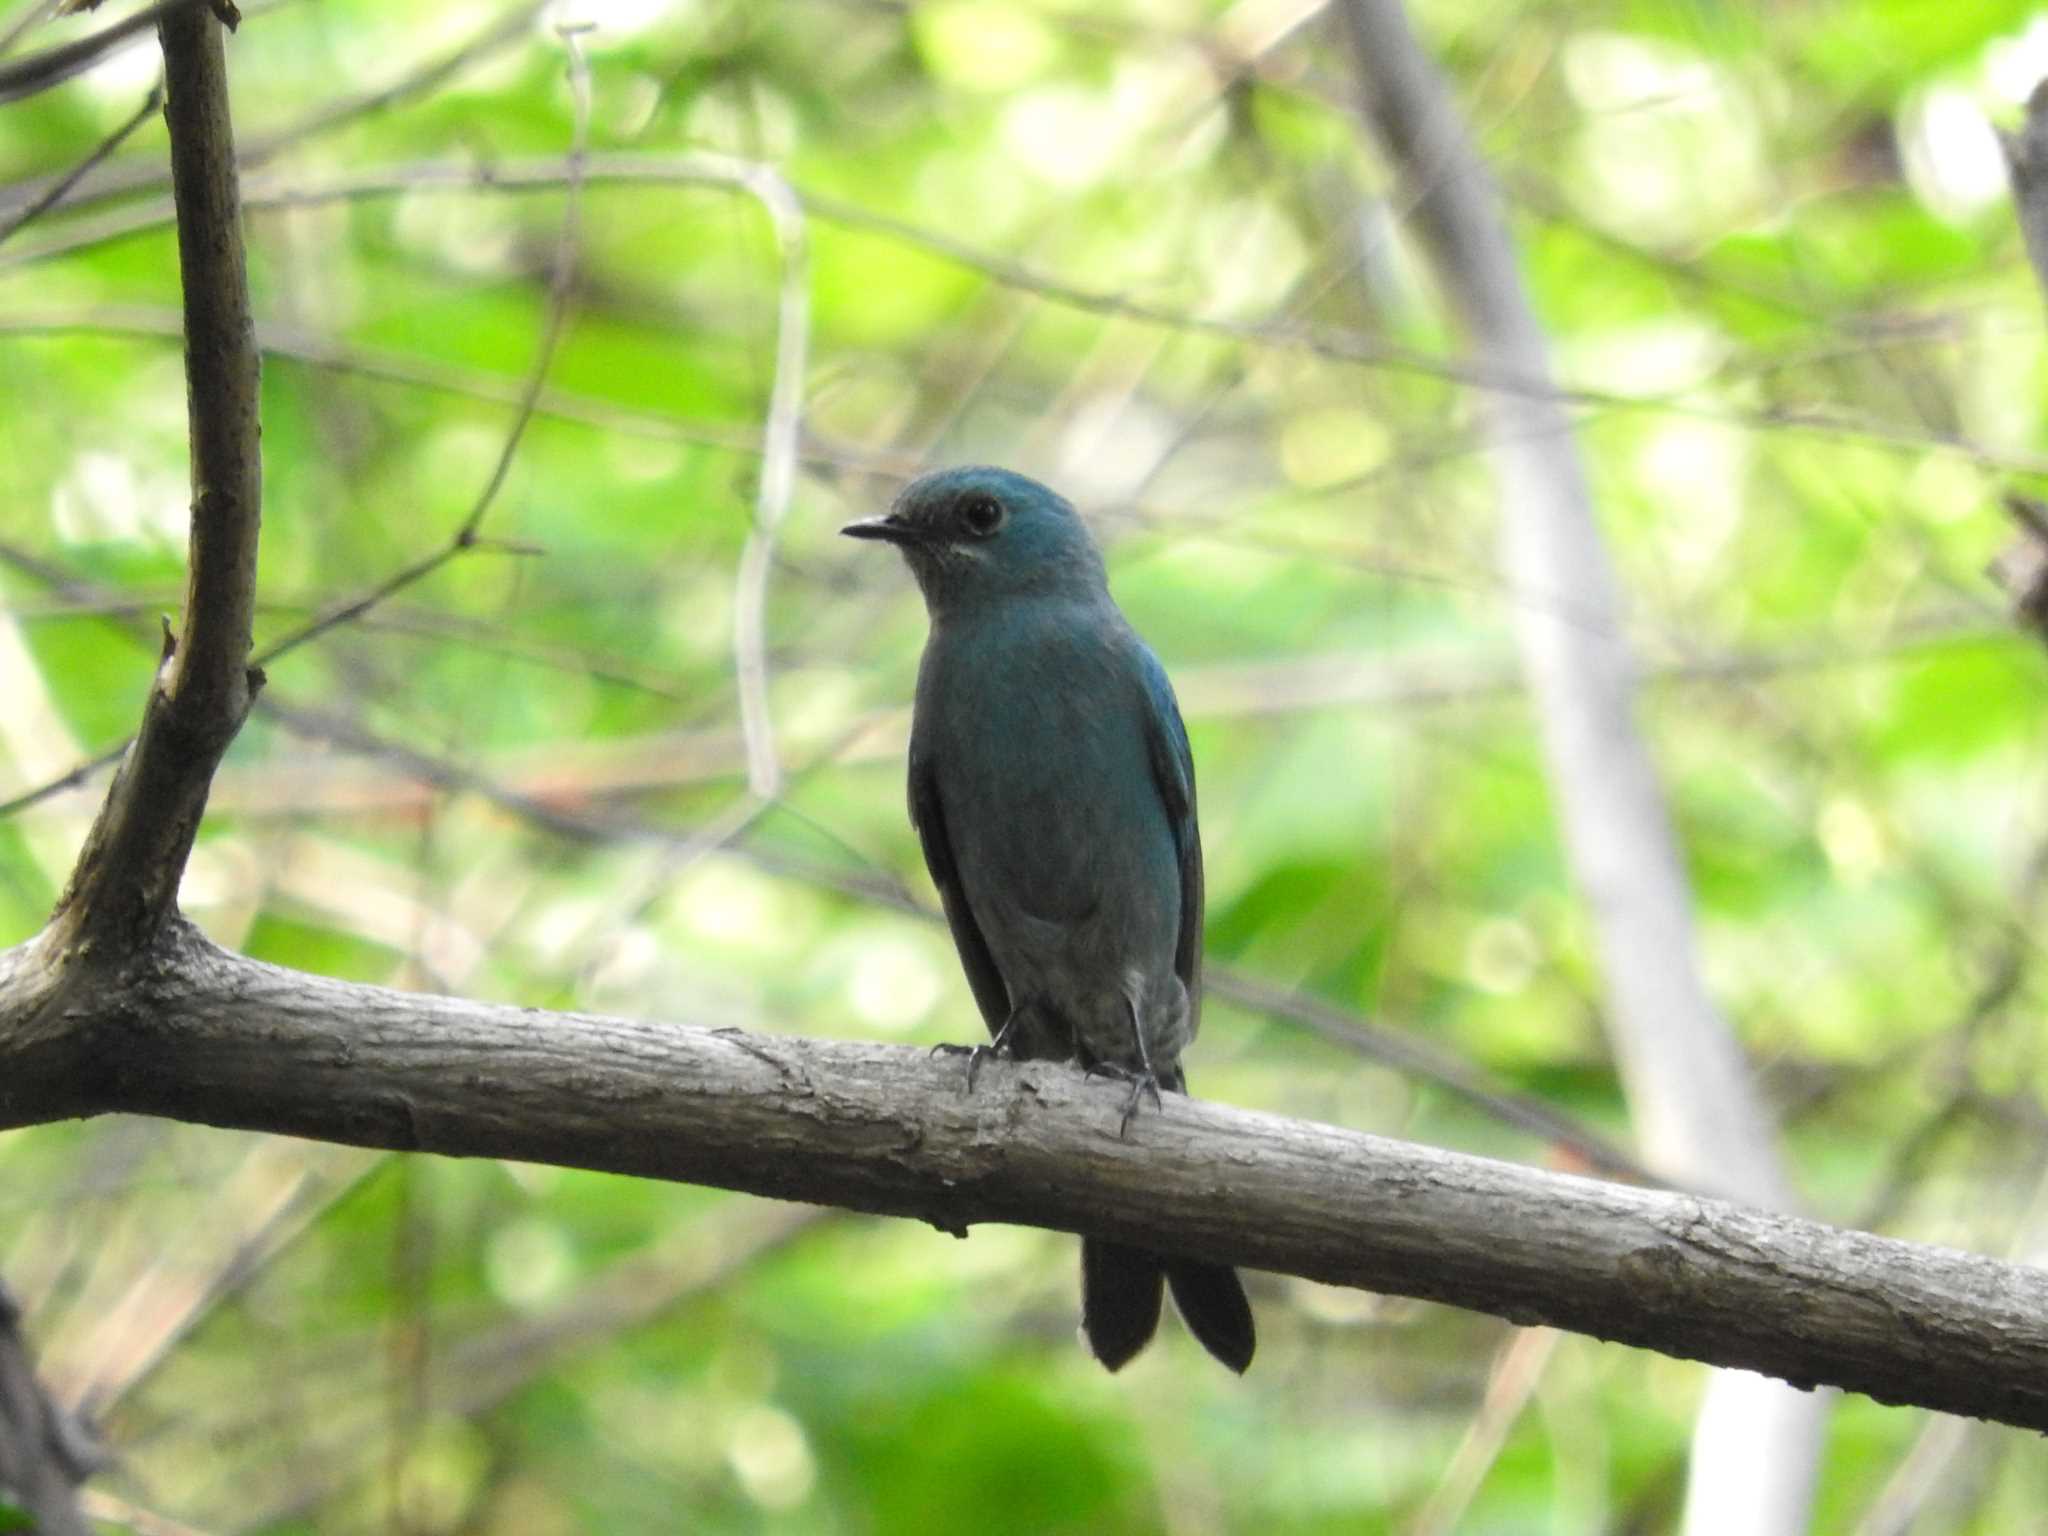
{"x":983,"y":515}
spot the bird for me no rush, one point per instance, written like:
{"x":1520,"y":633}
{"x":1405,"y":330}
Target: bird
{"x":1053,"y":793}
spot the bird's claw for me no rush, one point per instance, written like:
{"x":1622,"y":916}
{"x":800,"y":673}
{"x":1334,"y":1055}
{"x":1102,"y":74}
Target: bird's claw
{"x":975,"y":1054}
{"x":1144,"y":1083}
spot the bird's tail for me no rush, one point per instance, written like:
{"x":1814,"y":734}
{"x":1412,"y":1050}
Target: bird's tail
{"x":1121,"y":1289}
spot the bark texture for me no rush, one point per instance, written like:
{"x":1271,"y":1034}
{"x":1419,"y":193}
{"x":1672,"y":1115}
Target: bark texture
{"x":206,"y":1036}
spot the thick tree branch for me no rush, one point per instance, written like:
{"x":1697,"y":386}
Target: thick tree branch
{"x":206,"y":1036}
{"x":126,"y":879}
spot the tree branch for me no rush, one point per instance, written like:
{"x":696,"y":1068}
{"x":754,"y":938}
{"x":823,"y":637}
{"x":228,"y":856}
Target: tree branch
{"x":126,"y":880}
{"x":205,"y":1036}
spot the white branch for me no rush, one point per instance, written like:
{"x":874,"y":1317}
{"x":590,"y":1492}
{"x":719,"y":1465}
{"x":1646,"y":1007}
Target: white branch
{"x":1698,"y":1116}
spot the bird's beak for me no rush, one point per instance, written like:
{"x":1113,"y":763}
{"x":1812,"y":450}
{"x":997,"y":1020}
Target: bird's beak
{"x":890,"y":529}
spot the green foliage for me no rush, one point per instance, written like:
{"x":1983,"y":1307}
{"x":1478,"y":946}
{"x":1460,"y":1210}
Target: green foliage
{"x":1145,"y":252}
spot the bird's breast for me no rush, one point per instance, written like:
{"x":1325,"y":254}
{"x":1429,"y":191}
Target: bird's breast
{"x":1038,"y":739}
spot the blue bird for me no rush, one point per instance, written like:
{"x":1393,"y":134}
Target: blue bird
{"x":1053,"y":792}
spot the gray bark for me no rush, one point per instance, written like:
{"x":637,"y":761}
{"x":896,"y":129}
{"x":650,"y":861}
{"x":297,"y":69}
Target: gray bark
{"x":201,"y":1035}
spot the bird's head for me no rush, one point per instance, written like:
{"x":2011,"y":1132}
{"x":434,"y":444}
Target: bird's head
{"x":974,"y":534}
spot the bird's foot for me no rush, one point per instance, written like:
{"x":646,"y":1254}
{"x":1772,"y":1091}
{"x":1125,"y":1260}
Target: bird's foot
{"x":1144,"y":1084}
{"x":1142,"y":1078}
{"x":975,"y":1054}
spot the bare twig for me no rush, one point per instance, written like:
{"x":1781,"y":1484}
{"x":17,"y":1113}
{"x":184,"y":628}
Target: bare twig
{"x":1332,"y":345}
{"x":33,"y":15}
{"x":320,"y":351}
{"x":513,"y":26}
{"x":53,"y":66}
{"x":119,"y":181}
{"x":561,"y":285}
{"x":561,"y":282}
{"x":84,"y":168}
{"x":75,"y":778}
{"x":1414,"y":1057}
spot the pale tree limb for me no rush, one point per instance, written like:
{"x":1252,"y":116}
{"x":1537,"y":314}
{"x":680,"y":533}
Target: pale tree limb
{"x":777,"y":482}
{"x":1756,"y":1446}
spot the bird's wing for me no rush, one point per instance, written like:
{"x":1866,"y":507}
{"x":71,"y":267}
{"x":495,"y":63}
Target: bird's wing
{"x":1173,"y":770}
{"x":928,"y":815}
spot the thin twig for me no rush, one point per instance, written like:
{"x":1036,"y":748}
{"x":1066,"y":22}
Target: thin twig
{"x":73,"y":779}
{"x":512,"y":27}
{"x":53,"y":66}
{"x":84,"y":168}
{"x":1414,"y":1057}
{"x":561,"y":281}
{"x":561,"y":284}
{"x":294,"y":344}
{"x":1343,"y":347}
{"x":32,"y":15}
